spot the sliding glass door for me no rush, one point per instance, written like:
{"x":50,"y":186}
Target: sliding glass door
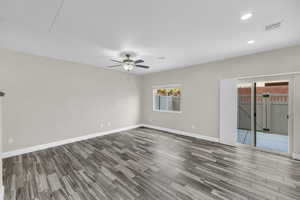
{"x":263,"y":114}
{"x":244,"y":102}
{"x":272,"y":109}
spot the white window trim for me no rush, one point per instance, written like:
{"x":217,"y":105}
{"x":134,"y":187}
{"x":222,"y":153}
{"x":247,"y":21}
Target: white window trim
{"x":166,"y":86}
{"x":167,"y":111}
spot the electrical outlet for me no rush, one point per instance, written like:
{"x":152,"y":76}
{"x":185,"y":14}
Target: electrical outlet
{"x":193,"y":126}
{"x":108,"y":124}
{"x":101,"y":125}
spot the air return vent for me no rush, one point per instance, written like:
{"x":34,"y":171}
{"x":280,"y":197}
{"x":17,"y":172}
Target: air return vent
{"x":273,"y":26}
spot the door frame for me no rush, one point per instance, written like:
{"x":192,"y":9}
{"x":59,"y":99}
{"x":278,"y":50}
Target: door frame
{"x":1,"y":171}
{"x":291,"y":79}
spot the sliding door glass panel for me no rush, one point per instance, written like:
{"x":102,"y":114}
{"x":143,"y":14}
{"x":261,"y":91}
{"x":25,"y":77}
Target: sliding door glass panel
{"x":244,"y":113}
{"x":272,"y":115}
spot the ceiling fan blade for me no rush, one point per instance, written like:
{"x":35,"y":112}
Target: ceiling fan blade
{"x":139,"y":61}
{"x":143,"y":66}
{"x":114,"y":66}
{"x":116,"y":61}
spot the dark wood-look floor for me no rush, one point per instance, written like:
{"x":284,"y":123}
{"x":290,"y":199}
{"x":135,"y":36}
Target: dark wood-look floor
{"x":146,"y":164}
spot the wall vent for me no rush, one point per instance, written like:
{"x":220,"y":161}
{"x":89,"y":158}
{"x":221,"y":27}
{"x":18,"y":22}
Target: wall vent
{"x":274,"y":26}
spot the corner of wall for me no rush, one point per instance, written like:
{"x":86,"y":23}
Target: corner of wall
{"x":142,"y":100}
{"x":1,"y":192}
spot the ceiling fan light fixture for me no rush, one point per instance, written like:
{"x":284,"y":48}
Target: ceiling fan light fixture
{"x":128,"y":66}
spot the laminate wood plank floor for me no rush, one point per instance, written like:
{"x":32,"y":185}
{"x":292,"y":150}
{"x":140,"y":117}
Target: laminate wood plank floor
{"x":147,"y":164}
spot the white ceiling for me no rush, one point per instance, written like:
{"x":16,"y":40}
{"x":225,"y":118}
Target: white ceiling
{"x":185,"y":32}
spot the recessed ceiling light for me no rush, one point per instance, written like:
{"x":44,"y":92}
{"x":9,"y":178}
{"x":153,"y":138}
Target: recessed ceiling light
{"x":246,"y":16}
{"x":251,"y":41}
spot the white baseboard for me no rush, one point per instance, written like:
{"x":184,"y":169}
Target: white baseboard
{"x":296,"y":156}
{"x":66,"y":141}
{"x":178,"y":132}
{"x":85,"y":137}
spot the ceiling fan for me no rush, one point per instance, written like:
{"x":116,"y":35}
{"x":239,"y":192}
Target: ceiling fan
{"x":128,"y":64}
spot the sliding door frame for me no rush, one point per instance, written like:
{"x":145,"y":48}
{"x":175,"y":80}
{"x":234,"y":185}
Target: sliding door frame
{"x":254,"y":116}
{"x":291,"y":93}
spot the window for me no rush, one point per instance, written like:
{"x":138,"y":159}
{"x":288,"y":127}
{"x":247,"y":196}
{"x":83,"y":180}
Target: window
{"x":166,"y":99}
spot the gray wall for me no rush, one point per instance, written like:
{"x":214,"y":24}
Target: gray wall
{"x":200,"y":90}
{"x":49,"y":100}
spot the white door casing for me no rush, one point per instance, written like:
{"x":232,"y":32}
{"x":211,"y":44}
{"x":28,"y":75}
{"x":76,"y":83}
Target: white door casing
{"x":228,"y":111}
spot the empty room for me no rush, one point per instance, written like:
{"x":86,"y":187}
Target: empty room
{"x":149,"y":100}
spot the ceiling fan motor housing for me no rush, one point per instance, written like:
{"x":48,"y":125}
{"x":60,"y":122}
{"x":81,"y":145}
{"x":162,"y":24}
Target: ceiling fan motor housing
{"x":127,"y":59}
